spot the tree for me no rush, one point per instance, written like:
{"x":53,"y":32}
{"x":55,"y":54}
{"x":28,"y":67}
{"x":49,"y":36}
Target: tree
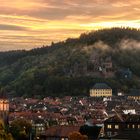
{"x":92,"y":132}
{"x":3,"y":133}
{"x":20,"y":129}
{"x":77,"y":136}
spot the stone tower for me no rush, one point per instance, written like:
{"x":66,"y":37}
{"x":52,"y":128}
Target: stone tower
{"x":4,"y":106}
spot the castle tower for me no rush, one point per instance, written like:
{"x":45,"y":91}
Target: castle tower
{"x":4,"y":106}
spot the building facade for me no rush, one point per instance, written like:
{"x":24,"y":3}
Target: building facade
{"x":101,"y":90}
{"x":117,"y":125}
{"x":4,"y":107}
{"x":134,"y":94}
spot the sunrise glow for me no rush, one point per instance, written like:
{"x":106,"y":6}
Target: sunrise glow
{"x":26,"y":24}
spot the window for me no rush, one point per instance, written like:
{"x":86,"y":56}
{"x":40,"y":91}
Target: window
{"x":128,"y":126}
{"x":109,"y":126}
{"x":133,"y":126}
{"x":138,"y":126}
{"x":64,"y":138}
{"x":116,"y":126}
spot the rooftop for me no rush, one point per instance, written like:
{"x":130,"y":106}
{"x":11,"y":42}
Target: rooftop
{"x":134,"y":92}
{"x":101,"y":86}
{"x":124,"y":118}
{"x":61,"y":131}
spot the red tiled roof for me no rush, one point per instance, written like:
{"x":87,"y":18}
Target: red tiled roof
{"x":61,"y":131}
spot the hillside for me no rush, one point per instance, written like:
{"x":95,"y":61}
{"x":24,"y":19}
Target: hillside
{"x":73,"y":66}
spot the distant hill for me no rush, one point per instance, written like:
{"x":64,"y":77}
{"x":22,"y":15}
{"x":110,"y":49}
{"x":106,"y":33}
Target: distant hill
{"x":73,"y":66}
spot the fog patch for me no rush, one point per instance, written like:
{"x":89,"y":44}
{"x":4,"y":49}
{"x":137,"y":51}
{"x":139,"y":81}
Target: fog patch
{"x":129,"y":44}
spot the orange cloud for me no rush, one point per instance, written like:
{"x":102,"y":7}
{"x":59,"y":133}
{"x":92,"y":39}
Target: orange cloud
{"x":32,"y":23}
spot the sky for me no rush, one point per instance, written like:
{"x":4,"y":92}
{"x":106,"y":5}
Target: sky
{"x":26,"y":24}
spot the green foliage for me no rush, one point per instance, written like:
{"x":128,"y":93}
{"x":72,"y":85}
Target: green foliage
{"x":88,"y":130}
{"x":20,"y":129}
{"x":77,"y":136}
{"x":52,"y":70}
{"x":3,"y":134}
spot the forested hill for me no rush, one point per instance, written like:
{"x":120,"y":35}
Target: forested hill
{"x":73,"y":66}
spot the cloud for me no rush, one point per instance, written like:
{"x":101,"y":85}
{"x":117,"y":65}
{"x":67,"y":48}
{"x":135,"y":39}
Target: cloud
{"x":54,"y":20}
{"x":11,"y":27}
{"x":99,"y":47}
{"x":129,"y":44}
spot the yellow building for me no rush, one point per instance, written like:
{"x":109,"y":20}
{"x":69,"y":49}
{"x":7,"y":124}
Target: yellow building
{"x":4,"y":106}
{"x":101,"y":90}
